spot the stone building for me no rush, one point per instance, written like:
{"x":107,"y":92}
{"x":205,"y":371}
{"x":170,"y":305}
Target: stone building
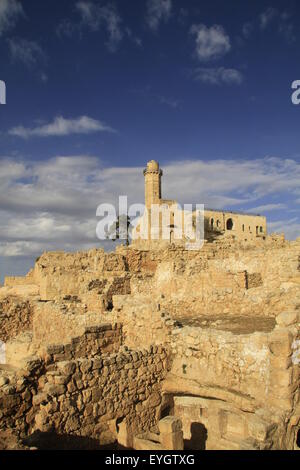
{"x":217,"y":223}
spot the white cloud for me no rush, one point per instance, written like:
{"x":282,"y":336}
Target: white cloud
{"x":267,"y":16}
{"x":62,"y":127}
{"x":10,"y":11}
{"x":291,"y":227}
{"x":27,"y":52}
{"x":243,"y":181}
{"x":172,"y":103}
{"x":44,"y":77}
{"x":211,"y":43}
{"x":135,"y":39}
{"x":95,"y":16}
{"x":11,"y":170}
{"x":52,"y":205}
{"x":287,"y":31}
{"x":158,"y":11}
{"x":165,"y":100}
{"x":268,"y":208}
{"x":66,"y":28}
{"x":218,"y":76}
{"x":247,"y":29}
{"x":281,"y":19}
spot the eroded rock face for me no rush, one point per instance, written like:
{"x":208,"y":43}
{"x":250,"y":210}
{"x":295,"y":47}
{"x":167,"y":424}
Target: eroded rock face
{"x":124,"y":339}
{"x":11,"y":441}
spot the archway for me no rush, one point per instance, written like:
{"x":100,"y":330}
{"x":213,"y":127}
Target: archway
{"x":229,"y":224}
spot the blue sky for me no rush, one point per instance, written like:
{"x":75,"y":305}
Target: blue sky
{"x":97,"y":88}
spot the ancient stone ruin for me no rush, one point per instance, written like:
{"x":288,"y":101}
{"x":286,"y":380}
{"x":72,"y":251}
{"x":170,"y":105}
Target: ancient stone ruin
{"x":155,"y":347}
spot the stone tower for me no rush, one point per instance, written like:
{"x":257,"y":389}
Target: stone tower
{"x":153,"y":176}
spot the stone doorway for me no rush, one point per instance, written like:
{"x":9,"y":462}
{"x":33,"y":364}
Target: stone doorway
{"x":198,"y":437}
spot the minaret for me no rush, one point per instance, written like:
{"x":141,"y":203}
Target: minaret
{"x":153,"y":176}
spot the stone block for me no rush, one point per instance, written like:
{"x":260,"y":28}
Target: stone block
{"x":169,"y":424}
{"x":280,"y":342}
{"x":54,"y":390}
{"x":172,"y":441}
{"x":125,"y":435}
{"x":258,"y":429}
{"x":40,"y":398}
{"x":287,"y":318}
{"x":55,"y":349}
{"x":281,"y":378}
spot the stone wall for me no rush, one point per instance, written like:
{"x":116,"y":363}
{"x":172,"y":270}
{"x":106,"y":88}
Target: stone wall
{"x":86,"y":397}
{"x":242,"y":226}
{"x":60,"y":274}
{"x":143,"y":321}
{"x":256,"y":281}
{"x":96,"y":340}
{"x":84,"y":387}
{"x":15,"y":317}
{"x":58,"y":322}
{"x":17,"y":389}
{"x":222,"y":278}
{"x":12,"y":281}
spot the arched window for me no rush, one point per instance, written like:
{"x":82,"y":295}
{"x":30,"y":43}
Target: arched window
{"x":261,"y":230}
{"x":218,"y":223}
{"x":243,"y":227}
{"x":212,"y":223}
{"x":229,"y":224}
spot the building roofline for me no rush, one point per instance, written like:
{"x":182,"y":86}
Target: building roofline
{"x":233,"y":212}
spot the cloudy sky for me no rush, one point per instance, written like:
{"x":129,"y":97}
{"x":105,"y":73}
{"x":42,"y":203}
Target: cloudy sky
{"x":95,"y":88}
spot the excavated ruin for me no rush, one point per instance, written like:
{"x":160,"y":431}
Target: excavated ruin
{"x":154,"y":349}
